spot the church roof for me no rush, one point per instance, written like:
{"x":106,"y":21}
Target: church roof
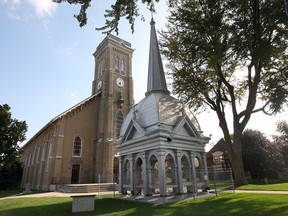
{"x":62,"y":115}
{"x":158,"y":108}
{"x":115,"y":39}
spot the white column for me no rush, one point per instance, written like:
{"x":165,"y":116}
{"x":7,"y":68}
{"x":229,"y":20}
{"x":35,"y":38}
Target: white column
{"x":144,"y":175}
{"x":193,"y":172}
{"x":130,"y":158}
{"x":148,"y":178}
{"x":120,"y":174}
{"x":161,"y":172}
{"x":179,"y":174}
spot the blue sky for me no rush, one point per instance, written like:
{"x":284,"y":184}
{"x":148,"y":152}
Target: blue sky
{"x":46,"y":61}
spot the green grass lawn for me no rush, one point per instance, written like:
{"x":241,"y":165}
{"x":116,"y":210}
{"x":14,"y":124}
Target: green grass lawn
{"x":266,"y":187}
{"x":16,"y":192}
{"x":10,"y":192}
{"x":224,"y":204}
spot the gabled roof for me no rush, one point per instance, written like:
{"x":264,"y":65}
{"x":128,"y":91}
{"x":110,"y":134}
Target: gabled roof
{"x":134,"y":131}
{"x":185,"y":127}
{"x":60,"y":116}
{"x":221,"y":145}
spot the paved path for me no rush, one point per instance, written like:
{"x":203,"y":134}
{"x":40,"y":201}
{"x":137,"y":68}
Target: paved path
{"x":58,"y":194}
{"x":261,"y":192}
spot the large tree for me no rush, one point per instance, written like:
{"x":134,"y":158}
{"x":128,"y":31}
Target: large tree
{"x":229,"y":56}
{"x":261,"y":157}
{"x":282,"y":140}
{"x":12,"y":132}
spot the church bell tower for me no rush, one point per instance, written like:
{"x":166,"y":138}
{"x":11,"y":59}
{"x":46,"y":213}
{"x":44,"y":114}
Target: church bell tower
{"x":113,"y":87}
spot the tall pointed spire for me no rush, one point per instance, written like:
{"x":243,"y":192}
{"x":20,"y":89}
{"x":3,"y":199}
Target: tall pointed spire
{"x":156,"y":78}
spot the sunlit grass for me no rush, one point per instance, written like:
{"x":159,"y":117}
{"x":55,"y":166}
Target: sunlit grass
{"x":224,"y":204}
{"x":266,"y":187}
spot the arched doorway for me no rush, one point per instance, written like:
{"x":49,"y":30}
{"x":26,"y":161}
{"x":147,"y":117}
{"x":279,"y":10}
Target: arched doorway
{"x":170,"y":170}
{"x":126,"y":173}
{"x":154,"y":171}
{"x":139,"y":176}
{"x":199,"y":173}
{"x":171,"y":184}
{"x":186,"y":174}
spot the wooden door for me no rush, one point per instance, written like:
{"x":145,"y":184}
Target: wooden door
{"x":75,"y":174}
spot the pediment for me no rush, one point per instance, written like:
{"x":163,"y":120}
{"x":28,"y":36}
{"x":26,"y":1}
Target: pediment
{"x":186,"y":131}
{"x":133,"y":131}
{"x":185,"y":127}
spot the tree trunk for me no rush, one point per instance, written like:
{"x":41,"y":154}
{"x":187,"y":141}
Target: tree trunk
{"x":235,"y":156}
{"x":237,"y":166}
{"x":234,"y":149}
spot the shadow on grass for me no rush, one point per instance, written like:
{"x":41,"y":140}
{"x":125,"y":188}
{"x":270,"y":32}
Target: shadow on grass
{"x":17,"y":192}
{"x":232,"y":204}
{"x":10,"y":192}
{"x":63,"y":207}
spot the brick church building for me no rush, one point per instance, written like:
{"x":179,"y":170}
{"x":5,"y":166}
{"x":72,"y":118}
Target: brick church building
{"x":77,"y":146}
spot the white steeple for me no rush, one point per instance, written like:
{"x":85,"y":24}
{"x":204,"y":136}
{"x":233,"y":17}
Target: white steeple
{"x":156,"y":77}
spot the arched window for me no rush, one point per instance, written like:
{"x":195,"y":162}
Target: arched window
{"x":119,"y":65}
{"x":122,"y":67}
{"x":101,"y":68}
{"x":77,"y":147}
{"x":119,"y":121}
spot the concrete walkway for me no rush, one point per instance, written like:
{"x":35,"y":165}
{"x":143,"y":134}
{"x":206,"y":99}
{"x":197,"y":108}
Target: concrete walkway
{"x":56,"y":194}
{"x":59,"y":194}
{"x":261,"y":192}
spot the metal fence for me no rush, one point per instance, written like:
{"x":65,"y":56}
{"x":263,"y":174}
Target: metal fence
{"x":215,"y":180}
{"x":220,"y":179}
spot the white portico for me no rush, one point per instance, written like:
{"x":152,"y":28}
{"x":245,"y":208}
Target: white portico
{"x":161,"y":146}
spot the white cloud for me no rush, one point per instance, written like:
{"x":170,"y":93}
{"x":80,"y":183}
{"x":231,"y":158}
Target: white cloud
{"x":13,"y":3}
{"x":43,"y":7}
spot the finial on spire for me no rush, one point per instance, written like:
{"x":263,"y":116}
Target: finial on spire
{"x":156,"y":78}
{"x":152,"y":9}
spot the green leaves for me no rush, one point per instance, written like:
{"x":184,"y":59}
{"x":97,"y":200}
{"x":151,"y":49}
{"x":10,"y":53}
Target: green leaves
{"x":122,"y":8}
{"x":197,"y":46}
{"x":261,"y":157}
{"x":210,"y":42}
{"x":12,"y":132}
{"x":82,"y":16}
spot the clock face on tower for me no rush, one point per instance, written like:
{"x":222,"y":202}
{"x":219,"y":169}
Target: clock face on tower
{"x":99,"y":85}
{"x":120,"y":82}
